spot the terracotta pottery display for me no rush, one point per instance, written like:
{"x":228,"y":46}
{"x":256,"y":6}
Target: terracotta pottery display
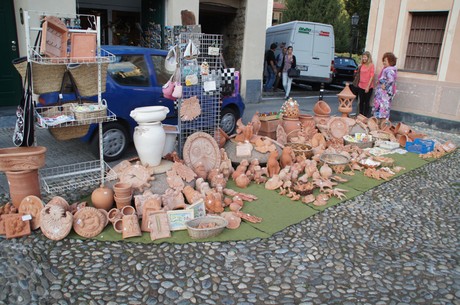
{"x":32,"y":205}
{"x":102,"y":198}
{"x":321,"y":108}
{"x":88,"y":222}
{"x":291,"y":126}
{"x":22,"y":184}
{"x":346,"y":98}
{"x":221,"y":137}
{"x":233,"y":220}
{"x":128,"y":210}
{"x":114,"y":214}
{"x":402,"y":139}
{"x":361,"y":118}
{"x":22,"y":158}
{"x":337,"y":127}
{"x":122,"y":201}
{"x":325,"y":171}
{"x":59,"y":201}
{"x":306,"y":120}
{"x":55,"y":222}
{"x":373,"y":123}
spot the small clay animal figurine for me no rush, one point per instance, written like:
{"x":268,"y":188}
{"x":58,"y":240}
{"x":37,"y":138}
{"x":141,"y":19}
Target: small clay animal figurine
{"x":286,"y":157}
{"x":273,"y":166}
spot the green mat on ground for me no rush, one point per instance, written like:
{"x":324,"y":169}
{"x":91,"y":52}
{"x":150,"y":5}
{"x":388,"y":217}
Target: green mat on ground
{"x":277,"y":211}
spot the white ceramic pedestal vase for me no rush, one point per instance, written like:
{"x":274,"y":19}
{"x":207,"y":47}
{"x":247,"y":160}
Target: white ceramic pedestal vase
{"x":149,"y":140}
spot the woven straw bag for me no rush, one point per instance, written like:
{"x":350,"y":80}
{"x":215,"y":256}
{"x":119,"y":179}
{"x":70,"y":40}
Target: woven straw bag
{"x":85,"y":76}
{"x":46,"y":78}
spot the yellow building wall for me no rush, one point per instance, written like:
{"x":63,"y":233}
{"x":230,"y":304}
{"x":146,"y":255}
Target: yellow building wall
{"x":434,"y":95}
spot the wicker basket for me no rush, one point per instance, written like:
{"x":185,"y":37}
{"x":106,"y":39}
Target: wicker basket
{"x":197,"y":233}
{"x":301,"y":149}
{"x":334,"y":159}
{"x":85,"y":76}
{"x":360,"y":144}
{"x":90,"y":112}
{"x":69,"y":132}
{"x":46,"y":78}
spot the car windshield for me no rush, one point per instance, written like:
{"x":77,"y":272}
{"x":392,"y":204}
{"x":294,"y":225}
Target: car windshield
{"x":129,"y":70}
{"x":345,"y":61}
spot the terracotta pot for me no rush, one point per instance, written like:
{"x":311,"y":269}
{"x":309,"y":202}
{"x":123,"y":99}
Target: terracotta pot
{"x":102,"y":198}
{"x":361,"y":118}
{"x":321,"y":108}
{"x":414,"y":135}
{"x":23,"y":184}
{"x":122,"y":189}
{"x":122,"y":201}
{"x":402,"y":128}
{"x":402,"y":139}
{"x":306,"y":120}
{"x":128,"y":210}
{"x":114,"y":214}
{"x":291,"y":126}
{"x":22,"y":158}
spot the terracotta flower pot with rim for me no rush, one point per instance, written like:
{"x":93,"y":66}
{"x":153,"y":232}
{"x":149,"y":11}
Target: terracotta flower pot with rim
{"x":321,"y":108}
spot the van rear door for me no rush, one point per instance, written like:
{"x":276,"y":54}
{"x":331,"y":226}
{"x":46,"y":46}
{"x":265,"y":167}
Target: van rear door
{"x":303,"y":48}
{"x":323,"y":51}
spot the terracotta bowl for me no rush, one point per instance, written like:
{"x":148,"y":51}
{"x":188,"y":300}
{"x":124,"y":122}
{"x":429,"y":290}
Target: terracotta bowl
{"x":322,"y":108}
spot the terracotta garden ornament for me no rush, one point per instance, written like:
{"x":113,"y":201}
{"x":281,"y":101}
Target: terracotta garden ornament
{"x":153,"y":202}
{"x":89,"y":222}
{"x":200,"y":170}
{"x":240,"y":169}
{"x":244,"y":133}
{"x":202,"y":186}
{"x":242,"y":181}
{"x":273,"y":183}
{"x":55,"y":222}
{"x":308,"y":199}
{"x":59,"y":201}
{"x":259,"y":175}
{"x":248,"y":217}
{"x":114,"y":214}
{"x":15,"y":225}
{"x":174,"y":180}
{"x":74,"y":207}
{"x":321,"y":200}
{"x":173,"y":200}
{"x":322,"y":184}
{"x":102,"y":198}
{"x":233,"y":220}
{"x":213,"y":203}
{"x":346,"y":98}
{"x":131,"y":227}
{"x":8,"y":208}
{"x":243,"y":196}
{"x":338,"y":178}
{"x":138,"y":175}
{"x":219,"y":181}
{"x":32,"y":205}
{"x":337,"y":192}
{"x":234,"y":207}
{"x":325,"y":171}
{"x":281,"y":136}
{"x":191,"y":195}
{"x":256,"y":124}
{"x":190,"y":109}
{"x":273,"y":167}
{"x":158,"y":224}
{"x":318,"y":140}
{"x":185,"y":172}
{"x":287,"y":156}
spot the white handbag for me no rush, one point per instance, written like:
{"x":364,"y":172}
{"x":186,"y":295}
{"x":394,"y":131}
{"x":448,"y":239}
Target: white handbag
{"x":171,"y":60}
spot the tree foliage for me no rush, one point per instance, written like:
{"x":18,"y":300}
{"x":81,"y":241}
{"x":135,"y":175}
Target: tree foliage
{"x":335,"y":12}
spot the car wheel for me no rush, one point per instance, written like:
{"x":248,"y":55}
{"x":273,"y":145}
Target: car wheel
{"x":115,"y":140}
{"x":228,"y":118}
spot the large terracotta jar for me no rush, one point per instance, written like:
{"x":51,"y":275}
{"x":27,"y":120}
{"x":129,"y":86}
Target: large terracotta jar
{"x":306,"y":120}
{"x":291,"y":126}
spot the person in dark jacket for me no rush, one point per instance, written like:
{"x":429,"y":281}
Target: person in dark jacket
{"x":270,"y":60}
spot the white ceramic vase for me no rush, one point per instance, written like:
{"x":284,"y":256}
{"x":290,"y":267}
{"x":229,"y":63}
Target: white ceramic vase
{"x":149,"y":140}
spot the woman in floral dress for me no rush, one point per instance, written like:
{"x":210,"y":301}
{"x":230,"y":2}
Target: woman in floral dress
{"x":386,"y":87}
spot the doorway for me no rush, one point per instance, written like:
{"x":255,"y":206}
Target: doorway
{"x":10,"y":81}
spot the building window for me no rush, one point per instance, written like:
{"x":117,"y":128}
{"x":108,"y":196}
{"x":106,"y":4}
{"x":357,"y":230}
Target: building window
{"x":425,"y":41}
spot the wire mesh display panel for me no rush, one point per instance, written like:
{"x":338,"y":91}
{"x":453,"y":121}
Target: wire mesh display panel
{"x":200,"y":76}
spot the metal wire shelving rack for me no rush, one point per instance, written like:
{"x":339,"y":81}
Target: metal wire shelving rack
{"x":72,"y":176}
{"x":207,"y":89}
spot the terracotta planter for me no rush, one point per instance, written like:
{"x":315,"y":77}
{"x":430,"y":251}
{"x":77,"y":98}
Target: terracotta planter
{"x":23,"y":184}
{"x":22,"y":158}
{"x":291,"y":126}
{"x":122,"y":189}
{"x":122,"y":201}
{"x":306,"y":120}
{"x":322,"y":108}
{"x":321,"y":119}
{"x":402,"y":128}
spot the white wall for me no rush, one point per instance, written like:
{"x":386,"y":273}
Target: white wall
{"x":45,"y":6}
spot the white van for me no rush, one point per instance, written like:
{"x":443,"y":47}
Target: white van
{"x":314,"y":47}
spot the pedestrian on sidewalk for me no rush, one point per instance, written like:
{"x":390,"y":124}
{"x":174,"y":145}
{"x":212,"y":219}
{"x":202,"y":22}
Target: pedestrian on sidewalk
{"x":386,"y":87}
{"x":270,"y":61}
{"x":366,"y":83}
{"x":279,"y":66}
{"x":289,"y":61}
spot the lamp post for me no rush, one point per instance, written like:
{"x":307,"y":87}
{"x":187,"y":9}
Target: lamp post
{"x":354,"y":24}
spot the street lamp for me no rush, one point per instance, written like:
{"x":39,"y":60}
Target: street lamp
{"x":354,"y":24}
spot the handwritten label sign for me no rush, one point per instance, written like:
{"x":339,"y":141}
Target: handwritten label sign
{"x":178,"y":218}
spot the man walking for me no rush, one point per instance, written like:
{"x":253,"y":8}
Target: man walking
{"x":271,"y":67}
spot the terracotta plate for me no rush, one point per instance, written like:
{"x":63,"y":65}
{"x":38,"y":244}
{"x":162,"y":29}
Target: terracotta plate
{"x":88,"y":222}
{"x":338,"y":127}
{"x":32,"y":205}
{"x":201,"y":147}
{"x":55,"y":222}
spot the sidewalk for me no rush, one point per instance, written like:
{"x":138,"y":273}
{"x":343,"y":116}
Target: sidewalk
{"x":395,"y":244}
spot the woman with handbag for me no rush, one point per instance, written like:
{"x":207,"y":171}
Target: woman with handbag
{"x":364,"y":83}
{"x":289,"y":63}
{"x":386,"y":87}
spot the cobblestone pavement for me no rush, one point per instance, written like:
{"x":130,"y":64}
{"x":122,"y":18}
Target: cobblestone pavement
{"x":395,"y":244}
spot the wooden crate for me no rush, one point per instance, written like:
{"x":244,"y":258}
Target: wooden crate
{"x":269,"y":126}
